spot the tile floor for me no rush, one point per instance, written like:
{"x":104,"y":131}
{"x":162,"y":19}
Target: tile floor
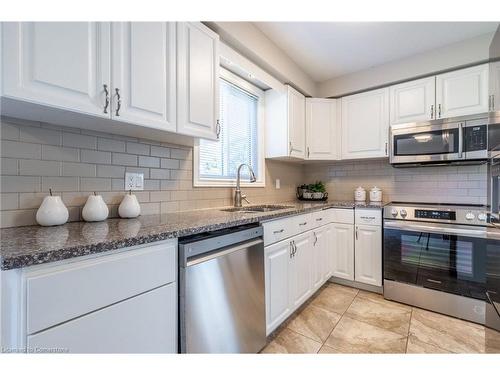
{"x":339,"y":319}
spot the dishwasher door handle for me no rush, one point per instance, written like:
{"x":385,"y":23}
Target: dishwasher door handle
{"x":217,"y":254}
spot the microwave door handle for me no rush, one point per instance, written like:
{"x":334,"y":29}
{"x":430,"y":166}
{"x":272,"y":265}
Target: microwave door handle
{"x":460,"y":140}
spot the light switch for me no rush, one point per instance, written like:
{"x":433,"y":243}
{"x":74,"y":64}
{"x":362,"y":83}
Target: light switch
{"x":134,"y":181}
{"x":278,"y":183}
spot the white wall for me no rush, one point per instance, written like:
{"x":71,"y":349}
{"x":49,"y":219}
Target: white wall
{"x":255,"y":45}
{"x":455,"y":55}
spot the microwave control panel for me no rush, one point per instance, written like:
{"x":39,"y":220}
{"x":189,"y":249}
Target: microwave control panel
{"x":476,"y":138}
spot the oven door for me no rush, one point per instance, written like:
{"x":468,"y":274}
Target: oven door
{"x":426,"y":143}
{"x":449,"y":258}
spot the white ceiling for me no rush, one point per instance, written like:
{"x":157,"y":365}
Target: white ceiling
{"x":326,"y":50}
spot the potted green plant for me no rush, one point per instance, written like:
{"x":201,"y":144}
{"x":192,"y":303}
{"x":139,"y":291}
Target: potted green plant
{"x":318,"y":190}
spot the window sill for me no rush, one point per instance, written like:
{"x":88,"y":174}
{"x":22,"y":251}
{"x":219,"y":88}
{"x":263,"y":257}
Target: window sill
{"x":232,"y":184}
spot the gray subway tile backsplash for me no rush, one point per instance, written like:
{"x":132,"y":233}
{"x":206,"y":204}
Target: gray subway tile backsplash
{"x":74,"y":163}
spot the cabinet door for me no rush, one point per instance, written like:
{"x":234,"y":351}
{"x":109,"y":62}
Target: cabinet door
{"x":59,"y":64}
{"x":413,"y":101}
{"x":300,"y":269}
{"x":368,"y":254}
{"x":494,"y":78}
{"x":365,"y":124}
{"x":342,"y":248}
{"x":197,"y":80}
{"x":322,"y":259}
{"x":296,"y":123}
{"x":144,"y":73}
{"x":321,"y":129}
{"x":146,"y":323}
{"x":277,"y":275}
{"x":462,"y":92}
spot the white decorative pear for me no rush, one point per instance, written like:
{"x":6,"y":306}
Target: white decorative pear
{"x":129,"y":207}
{"x":52,"y":211}
{"x":95,"y":209}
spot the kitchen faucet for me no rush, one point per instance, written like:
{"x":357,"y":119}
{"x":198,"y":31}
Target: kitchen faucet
{"x":237,"y":192}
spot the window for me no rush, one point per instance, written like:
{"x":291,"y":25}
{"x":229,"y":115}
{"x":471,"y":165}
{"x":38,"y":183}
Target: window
{"x":241,"y":136}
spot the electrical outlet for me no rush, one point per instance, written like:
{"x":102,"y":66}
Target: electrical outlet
{"x":278,"y":183}
{"x":134,"y":181}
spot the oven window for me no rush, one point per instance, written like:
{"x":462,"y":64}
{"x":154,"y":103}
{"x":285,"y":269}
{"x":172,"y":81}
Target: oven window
{"x":439,"y":252}
{"x":449,"y":263}
{"x":427,"y":143}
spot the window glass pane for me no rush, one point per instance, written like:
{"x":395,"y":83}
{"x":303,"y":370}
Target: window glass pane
{"x":238,"y":136}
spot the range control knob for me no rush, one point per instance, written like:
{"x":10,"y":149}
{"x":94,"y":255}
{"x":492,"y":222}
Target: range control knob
{"x":394,"y":212}
{"x":403,"y":213}
{"x":469,"y":216}
{"x":482,"y":217}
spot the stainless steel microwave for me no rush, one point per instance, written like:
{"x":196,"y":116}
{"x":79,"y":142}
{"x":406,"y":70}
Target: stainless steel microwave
{"x":455,"y":140}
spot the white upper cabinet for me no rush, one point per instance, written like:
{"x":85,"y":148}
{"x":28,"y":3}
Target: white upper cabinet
{"x":65,"y":65}
{"x":494,"y":77}
{"x":462,"y":92}
{"x":296,"y":123}
{"x":285,"y":124}
{"x":143,"y":73}
{"x":322,"y":129}
{"x":365,"y":124}
{"x":197,"y":80}
{"x":413,"y":101}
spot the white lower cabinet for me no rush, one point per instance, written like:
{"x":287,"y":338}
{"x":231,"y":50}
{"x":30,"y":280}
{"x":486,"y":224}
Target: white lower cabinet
{"x":368,"y":255}
{"x":120,"y":302}
{"x":142,"y":324}
{"x":277,"y":265}
{"x":323,"y":255}
{"x":343,"y":253}
{"x":301,"y":269}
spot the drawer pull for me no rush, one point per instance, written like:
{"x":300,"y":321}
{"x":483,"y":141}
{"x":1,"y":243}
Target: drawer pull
{"x":304,"y":223}
{"x":435,"y":281}
{"x":319,"y":219}
{"x":278,"y":231}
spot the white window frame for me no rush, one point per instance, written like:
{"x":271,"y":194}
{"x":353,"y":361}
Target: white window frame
{"x":261,"y":179}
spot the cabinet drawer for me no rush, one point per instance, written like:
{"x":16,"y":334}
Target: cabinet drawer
{"x":341,"y":215}
{"x":369,"y":216}
{"x":320,"y":218}
{"x":303,"y":223}
{"x":144,"y":324}
{"x":278,"y":230}
{"x":59,"y":293}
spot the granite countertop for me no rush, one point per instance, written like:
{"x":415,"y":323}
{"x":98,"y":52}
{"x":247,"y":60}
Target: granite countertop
{"x":31,"y":245}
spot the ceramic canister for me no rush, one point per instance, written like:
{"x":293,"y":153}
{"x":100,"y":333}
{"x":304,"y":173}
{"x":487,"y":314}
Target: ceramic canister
{"x":129,"y":207}
{"x":95,"y":209}
{"x":360,"y":194}
{"x":52,"y":211}
{"x":376,"y":194}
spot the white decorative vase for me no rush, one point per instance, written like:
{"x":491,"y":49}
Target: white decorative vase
{"x":129,"y":207}
{"x":95,"y":209}
{"x":52,"y":211}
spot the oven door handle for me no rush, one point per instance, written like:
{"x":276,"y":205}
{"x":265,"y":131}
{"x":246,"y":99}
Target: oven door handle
{"x":437,"y":228}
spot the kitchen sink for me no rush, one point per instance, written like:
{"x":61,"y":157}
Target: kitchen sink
{"x":260,"y":208}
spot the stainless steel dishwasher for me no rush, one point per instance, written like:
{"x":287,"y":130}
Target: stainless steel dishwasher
{"x":222,"y":291}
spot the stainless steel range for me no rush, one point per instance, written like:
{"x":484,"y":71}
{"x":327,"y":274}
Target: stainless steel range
{"x":435,"y":257}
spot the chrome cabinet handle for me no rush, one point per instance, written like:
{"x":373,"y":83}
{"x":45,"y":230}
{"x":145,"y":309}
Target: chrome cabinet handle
{"x":308,"y":152}
{"x":304,"y":223}
{"x":278,"y":231}
{"x":386,"y":148}
{"x":432,"y":111}
{"x":319,"y":219}
{"x":356,"y":233}
{"x":492,"y":102}
{"x":218,"y":129}
{"x":315,"y":238}
{"x":118,"y":102}
{"x":294,"y":248}
{"x":439,"y":110}
{"x":106,"y":103}
{"x":291,"y":148}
